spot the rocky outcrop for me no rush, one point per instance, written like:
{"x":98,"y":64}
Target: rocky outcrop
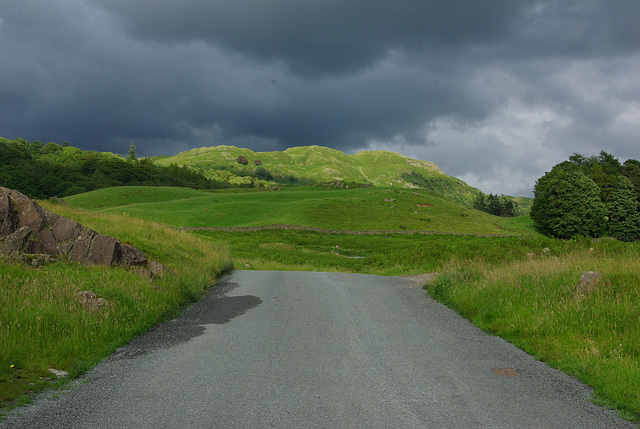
{"x":27,"y":228}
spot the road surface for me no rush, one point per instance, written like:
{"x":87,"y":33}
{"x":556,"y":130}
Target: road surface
{"x":307,"y":349}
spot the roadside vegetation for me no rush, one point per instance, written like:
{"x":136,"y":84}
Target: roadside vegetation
{"x":383,"y":254}
{"x":44,"y":325}
{"x":516,"y":277}
{"x":535,"y":304}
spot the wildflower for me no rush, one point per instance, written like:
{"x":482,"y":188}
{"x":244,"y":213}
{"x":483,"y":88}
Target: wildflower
{"x":11,"y":366}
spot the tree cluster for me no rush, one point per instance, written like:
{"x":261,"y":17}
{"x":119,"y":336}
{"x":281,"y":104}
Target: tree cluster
{"x":45,"y":170}
{"x":589,"y":197}
{"x":495,"y":205}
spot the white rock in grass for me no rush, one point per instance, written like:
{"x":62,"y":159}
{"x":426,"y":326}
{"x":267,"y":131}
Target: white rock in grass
{"x":58,"y":373}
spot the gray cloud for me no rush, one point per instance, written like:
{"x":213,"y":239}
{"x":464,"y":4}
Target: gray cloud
{"x":317,"y":37}
{"x":495,"y":93}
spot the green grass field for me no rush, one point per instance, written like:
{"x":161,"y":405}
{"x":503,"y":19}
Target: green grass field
{"x":498,"y":272}
{"x":360,"y":209}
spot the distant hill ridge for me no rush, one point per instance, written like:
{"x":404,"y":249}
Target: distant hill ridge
{"x":318,"y":164}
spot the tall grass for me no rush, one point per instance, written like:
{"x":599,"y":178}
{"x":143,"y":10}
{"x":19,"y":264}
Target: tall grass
{"x":534,"y":304}
{"x":44,"y":325}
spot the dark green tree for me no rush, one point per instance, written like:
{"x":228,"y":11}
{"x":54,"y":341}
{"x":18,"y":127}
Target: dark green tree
{"x":51,"y":148}
{"x":131,"y":153}
{"x":263,"y":174}
{"x":493,"y":205}
{"x":624,"y":220}
{"x":603,"y":169}
{"x":567,"y":203}
{"x":479,"y":203}
{"x":507,"y":207}
{"x":631,"y":170}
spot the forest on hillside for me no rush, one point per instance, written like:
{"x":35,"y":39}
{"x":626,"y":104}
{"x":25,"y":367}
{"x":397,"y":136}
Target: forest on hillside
{"x":41,"y":170}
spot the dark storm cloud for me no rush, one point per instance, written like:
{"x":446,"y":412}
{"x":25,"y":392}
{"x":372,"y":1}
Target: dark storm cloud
{"x":318,"y":36}
{"x":494,"y":92}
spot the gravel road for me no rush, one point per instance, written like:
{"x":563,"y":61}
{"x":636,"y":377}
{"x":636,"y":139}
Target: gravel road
{"x":306,"y":349}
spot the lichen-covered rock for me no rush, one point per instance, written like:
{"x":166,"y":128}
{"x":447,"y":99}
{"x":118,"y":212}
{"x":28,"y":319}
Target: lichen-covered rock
{"x":18,"y":241}
{"x":27,"y":212}
{"x":131,"y":256}
{"x":7,"y":219}
{"x":588,"y":282}
{"x":27,"y":228}
{"x":44,"y":242}
{"x":156,"y":269}
{"x":80,"y":249}
{"x":63,"y":228}
{"x":104,"y":250}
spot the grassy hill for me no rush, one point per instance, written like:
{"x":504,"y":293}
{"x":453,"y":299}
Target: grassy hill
{"x":359,"y":209}
{"x":316,"y":164}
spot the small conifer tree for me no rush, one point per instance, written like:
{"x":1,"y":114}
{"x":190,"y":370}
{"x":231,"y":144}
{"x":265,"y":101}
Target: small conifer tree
{"x":131,"y":153}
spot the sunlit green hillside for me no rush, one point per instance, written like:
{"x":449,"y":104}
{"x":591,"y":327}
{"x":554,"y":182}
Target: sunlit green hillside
{"x":316,"y":164}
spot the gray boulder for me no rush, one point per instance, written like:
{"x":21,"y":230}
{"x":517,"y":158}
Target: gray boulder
{"x":589,"y":281}
{"x":27,"y":228}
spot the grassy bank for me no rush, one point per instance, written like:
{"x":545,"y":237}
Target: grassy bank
{"x":533,"y":303}
{"x":44,"y":325}
{"x":384,"y":254}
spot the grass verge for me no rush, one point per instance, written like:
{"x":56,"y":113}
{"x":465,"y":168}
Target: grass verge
{"x":383,"y":254}
{"x":533,"y":304}
{"x":44,"y":325}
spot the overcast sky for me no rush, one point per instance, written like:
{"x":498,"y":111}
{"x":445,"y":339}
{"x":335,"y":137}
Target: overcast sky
{"x":495,"y":92}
